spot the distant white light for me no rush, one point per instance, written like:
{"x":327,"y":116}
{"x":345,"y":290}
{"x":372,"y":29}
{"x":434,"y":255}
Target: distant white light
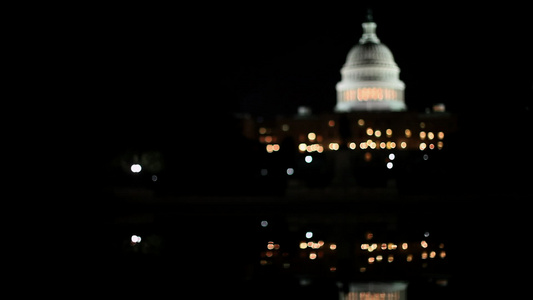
{"x":136,"y":168}
{"x":308,"y":159}
{"x":290,"y":171}
{"x":425,"y":157}
{"x":264,"y":223}
{"x":309,"y":234}
{"x":389,"y":165}
{"x":392,"y":156}
{"x":135,"y":239}
{"x":426,"y":234}
{"x":154,"y":177}
{"x":264,"y":172}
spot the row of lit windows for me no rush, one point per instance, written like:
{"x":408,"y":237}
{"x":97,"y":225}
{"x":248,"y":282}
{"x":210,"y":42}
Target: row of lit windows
{"x":331,"y":123}
{"x":311,"y":136}
{"x":369,"y":94}
{"x":369,"y":144}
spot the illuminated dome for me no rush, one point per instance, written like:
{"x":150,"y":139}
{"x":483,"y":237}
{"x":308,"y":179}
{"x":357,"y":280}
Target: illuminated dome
{"x":370,"y":77}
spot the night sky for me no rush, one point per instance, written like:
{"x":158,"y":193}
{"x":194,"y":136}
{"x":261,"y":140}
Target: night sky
{"x":267,"y":59}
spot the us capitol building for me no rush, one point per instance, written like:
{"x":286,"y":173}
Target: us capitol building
{"x":368,"y":138}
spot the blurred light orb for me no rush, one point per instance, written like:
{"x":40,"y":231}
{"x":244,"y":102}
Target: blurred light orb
{"x":264,"y":223}
{"x":136,"y":168}
{"x":290,"y":171}
{"x":135,"y":239}
{"x":309,"y":234}
{"x":308,"y":159}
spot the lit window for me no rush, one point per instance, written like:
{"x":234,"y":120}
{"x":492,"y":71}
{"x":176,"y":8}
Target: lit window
{"x":407,"y":133}
{"x":388,"y":132}
{"x":377,"y":133}
{"x":440,"y":135}
{"x":311,"y":136}
{"x":369,"y":131}
{"x":422,"y":135}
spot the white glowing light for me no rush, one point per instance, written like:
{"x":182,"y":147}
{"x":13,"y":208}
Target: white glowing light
{"x":389,"y":165}
{"x":290,"y":171}
{"x":308,"y":159}
{"x":264,"y":223}
{"x":135,"y":238}
{"x":309,"y":234}
{"x":136,"y":168}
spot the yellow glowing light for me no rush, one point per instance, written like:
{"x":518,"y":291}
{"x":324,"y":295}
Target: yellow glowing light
{"x":432,"y":254}
{"x":333,"y":246}
{"x":369,"y":131}
{"x":442,"y":254}
{"x":388,"y":132}
{"x":377,"y":133}
{"x":262,"y":130}
{"x":361,"y":122}
{"x":352,"y":145}
{"x":334,"y":146}
{"x":431,"y":135}
{"x":311,"y":136}
{"x":331,"y":123}
{"x":390,"y":258}
{"x":440,"y":135}
{"x":403,"y":145}
{"x":312,"y":255}
{"x":424,"y":244}
{"x":382,"y":145}
{"x":424,"y":255}
{"x":422,"y":135}
{"x":409,"y":257}
{"x":302,"y":147}
{"x":405,"y":246}
{"x":422,"y":146}
{"x":371,"y":260}
{"x":408,"y":133}
{"x":379,"y":258}
{"x":268,"y":139}
{"x":303,"y":245}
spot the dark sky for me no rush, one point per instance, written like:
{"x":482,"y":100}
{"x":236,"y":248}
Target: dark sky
{"x":272,"y":59}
